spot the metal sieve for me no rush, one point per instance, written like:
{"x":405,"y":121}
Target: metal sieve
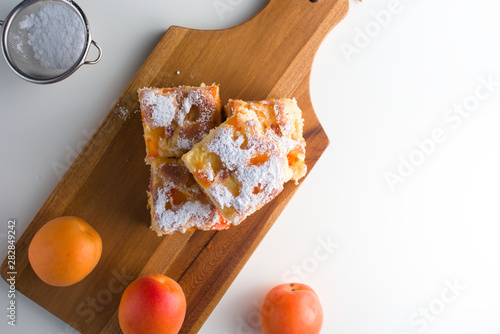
{"x":45,"y":41}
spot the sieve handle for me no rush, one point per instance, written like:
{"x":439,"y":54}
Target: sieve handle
{"x":95,"y":61}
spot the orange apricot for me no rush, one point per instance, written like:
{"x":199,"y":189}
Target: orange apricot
{"x":64,"y":251}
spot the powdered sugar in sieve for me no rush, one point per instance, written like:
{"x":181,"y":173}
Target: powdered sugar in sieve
{"x":45,"y":41}
{"x":56,"y":35}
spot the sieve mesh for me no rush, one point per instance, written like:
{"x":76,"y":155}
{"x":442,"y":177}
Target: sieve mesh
{"x":28,"y":51}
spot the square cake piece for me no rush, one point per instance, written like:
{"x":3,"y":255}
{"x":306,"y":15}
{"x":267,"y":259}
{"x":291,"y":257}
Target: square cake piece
{"x":177,"y":202}
{"x":243,"y":164}
{"x":176,"y":118}
{"x":281,"y":120}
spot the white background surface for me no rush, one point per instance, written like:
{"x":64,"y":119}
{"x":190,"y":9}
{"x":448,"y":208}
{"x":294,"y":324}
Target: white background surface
{"x":396,"y":250}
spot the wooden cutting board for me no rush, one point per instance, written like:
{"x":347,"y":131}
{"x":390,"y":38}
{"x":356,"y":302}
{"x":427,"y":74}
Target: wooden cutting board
{"x":270,"y":56}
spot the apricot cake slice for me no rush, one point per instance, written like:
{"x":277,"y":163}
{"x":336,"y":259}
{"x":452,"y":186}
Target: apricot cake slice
{"x":281,"y":120}
{"x":176,"y":118}
{"x":242,"y":164}
{"x":177,"y":202}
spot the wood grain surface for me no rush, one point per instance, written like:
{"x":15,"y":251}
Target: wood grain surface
{"x":269,"y":56}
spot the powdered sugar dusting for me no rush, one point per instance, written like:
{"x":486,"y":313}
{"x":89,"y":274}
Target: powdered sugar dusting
{"x":284,"y":124}
{"x":184,"y":143}
{"x":166,"y":108}
{"x":286,"y":143}
{"x":123,"y":112}
{"x":222,"y":195}
{"x":259,"y":182}
{"x":209,"y":173}
{"x":162,"y":107}
{"x":181,"y":217}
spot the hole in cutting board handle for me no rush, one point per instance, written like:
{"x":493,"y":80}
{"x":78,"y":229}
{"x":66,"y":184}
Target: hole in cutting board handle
{"x":314,"y":0}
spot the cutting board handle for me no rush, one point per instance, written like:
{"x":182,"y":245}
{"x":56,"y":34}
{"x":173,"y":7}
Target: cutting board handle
{"x":300,"y":16}
{"x":280,"y":42}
